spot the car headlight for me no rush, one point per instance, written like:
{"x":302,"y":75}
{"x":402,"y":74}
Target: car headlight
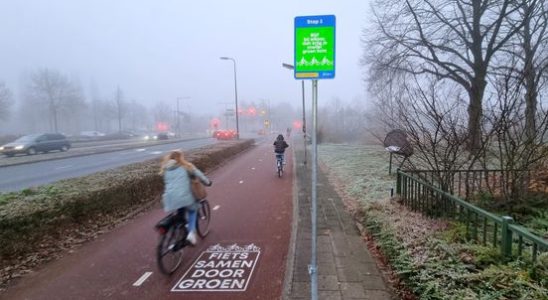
{"x":20,"y":147}
{"x":1,"y":148}
{"x":147,"y":137}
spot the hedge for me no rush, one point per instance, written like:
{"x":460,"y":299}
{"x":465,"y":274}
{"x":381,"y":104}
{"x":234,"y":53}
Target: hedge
{"x":28,"y":216}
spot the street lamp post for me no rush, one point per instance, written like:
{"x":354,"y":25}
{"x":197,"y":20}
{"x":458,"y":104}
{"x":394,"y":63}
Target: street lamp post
{"x":291,"y":67}
{"x":235,"y":95}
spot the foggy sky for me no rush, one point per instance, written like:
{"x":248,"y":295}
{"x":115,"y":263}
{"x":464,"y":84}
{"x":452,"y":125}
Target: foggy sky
{"x":161,"y":50}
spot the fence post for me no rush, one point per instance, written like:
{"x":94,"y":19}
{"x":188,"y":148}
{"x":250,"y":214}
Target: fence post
{"x":398,"y":182}
{"x":506,"y":237}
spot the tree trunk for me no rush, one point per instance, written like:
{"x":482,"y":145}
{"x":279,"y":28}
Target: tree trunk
{"x":530,"y":84}
{"x":55,"y":122}
{"x":475,"y":113}
{"x":477,"y":82}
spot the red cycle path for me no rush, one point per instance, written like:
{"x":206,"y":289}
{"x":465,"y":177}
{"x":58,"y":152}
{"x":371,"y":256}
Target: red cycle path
{"x":251,"y":206}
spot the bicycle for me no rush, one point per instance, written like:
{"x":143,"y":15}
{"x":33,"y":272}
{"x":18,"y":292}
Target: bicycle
{"x":173,"y":233}
{"x":280,"y":164}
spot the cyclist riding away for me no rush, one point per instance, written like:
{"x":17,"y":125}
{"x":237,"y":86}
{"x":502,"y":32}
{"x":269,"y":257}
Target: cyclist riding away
{"x":279,"y":147}
{"x":177,"y":173}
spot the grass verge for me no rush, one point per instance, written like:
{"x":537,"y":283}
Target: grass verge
{"x":429,"y":256}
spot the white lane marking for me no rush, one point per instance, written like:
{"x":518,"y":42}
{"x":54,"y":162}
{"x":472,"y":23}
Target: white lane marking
{"x":260,"y":160}
{"x":141,"y":150}
{"x":63,"y":167}
{"x":142,"y":279}
{"x":241,"y":181}
{"x":216,"y":207}
{"x":156,"y":152}
{"x":252,"y":168}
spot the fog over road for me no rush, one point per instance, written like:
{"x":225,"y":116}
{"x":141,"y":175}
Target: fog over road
{"x":14,"y":178}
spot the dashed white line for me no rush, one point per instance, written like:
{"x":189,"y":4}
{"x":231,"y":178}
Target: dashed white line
{"x":241,"y":181}
{"x":63,"y":167}
{"x":252,"y":168}
{"x":142,"y":279}
{"x":216,"y":207}
{"x":156,"y":152}
{"x":141,"y":150}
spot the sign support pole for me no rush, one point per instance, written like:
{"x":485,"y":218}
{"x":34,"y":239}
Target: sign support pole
{"x":313,"y":267}
{"x":304,"y":124}
{"x":314,"y":59}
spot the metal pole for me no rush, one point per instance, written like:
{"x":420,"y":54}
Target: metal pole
{"x":390,"y":165}
{"x":178,"y":123}
{"x":236,"y":96}
{"x":312,"y":268}
{"x":304,"y":124}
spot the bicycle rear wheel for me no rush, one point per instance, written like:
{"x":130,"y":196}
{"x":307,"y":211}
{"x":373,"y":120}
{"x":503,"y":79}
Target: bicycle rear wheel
{"x":204,"y":217}
{"x":168,"y":256}
{"x":280,"y":169}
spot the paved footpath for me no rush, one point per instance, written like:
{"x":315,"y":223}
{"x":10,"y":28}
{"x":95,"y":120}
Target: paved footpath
{"x":346,"y":269}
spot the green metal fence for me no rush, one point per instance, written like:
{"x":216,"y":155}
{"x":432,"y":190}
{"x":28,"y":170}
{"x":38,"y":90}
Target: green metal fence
{"x":481,"y":226}
{"x":467,"y":183}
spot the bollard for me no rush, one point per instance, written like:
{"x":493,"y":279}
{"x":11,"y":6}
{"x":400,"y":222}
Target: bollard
{"x":506,"y":238}
{"x":398,"y":183}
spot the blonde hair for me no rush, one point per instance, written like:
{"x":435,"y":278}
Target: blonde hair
{"x":179,"y":158}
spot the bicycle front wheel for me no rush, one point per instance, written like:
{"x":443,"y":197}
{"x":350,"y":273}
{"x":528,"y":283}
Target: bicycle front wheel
{"x":167,"y":255}
{"x":204,"y":216}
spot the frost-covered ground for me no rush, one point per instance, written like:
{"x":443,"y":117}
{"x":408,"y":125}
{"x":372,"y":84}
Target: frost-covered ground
{"x":362,"y":169}
{"x":429,"y":256}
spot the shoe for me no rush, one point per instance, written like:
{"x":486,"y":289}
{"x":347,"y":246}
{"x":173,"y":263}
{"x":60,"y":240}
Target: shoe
{"x":191,"y":238}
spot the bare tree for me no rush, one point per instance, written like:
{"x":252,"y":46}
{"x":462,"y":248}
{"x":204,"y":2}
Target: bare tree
{"x":120,"y":106}
{"x":344,"y":122}
{"x":436,"y":129}
{"x":162,"y":112}
{"x":5,"y":101}
{"x":95,"y":105}
{"x":51,"y":91}
{"x":74,"y":108}
{"x":449,"y":39}
{"x":511,"y":145}
{"x":138,"y":115}
{"x":533,"y":39}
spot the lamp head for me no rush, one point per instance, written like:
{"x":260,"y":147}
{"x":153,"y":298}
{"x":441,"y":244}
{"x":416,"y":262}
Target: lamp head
{"x":288,"y":66}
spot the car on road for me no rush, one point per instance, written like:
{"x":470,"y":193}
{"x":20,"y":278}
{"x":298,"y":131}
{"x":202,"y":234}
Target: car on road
{"x":163,"y":136}
{"x":152,"y":136}
{"x":225,"y":134}
{"x":36,"y":143}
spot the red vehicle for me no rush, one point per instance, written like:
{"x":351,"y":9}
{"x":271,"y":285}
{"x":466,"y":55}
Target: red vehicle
{"x":224,"y":134}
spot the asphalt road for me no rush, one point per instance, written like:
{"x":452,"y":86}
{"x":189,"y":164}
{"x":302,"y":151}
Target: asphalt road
{"x":87,"y":148}
{"x":251,"y":209}
{"x":14,"y":178}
